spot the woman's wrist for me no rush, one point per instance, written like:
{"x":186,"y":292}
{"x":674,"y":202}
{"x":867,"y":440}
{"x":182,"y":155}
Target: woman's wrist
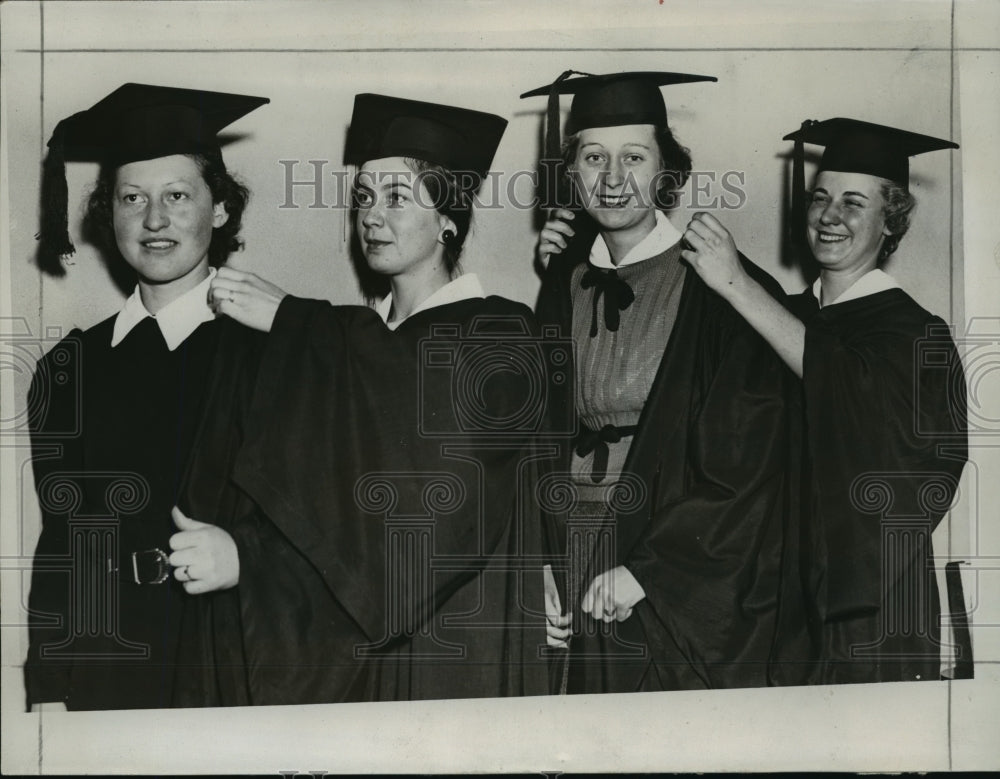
{"x":741,"y":287}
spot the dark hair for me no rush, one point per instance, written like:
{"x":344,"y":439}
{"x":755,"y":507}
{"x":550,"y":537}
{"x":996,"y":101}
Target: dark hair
{"x":675,"y":164}
{"x":450,"y":199}
{"x":899,"y":204}
{"x":224,"y":187}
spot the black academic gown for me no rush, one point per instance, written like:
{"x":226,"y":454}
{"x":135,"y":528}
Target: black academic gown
{"x":389,"y":543}
{"x":706,"y":535}
{"x":885,"y":444}
{"x":111,"y":432}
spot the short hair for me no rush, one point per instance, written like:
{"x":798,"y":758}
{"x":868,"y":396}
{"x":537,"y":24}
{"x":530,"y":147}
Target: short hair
{"x":898,"y":205}
{"x":450,"y":199}
{"x":225,"y":189}
{"x":675,"y":164}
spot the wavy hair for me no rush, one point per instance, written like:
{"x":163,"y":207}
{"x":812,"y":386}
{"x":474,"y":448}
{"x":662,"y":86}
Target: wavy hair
{"x":898,"y":205}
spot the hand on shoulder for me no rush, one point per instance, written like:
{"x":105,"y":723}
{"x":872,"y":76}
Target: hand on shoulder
{"x":245,"y":297}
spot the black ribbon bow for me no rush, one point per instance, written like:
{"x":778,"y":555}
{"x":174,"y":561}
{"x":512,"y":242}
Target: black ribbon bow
{"x":618,"y":296}
{"x":597,"y":441}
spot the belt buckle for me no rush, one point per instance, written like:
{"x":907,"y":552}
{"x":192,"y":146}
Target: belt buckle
{"x":161,"y":561}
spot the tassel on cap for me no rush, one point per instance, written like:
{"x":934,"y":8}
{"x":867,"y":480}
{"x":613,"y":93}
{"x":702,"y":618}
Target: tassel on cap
{"x":552,"y":164}
{"x":798,"y":225}
{"x":54,"y":244}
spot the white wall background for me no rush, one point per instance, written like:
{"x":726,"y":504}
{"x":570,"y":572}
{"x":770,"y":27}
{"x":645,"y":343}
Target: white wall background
{"x":926,"y":65}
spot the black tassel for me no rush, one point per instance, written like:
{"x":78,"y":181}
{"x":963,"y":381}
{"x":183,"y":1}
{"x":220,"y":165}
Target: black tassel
{"x":552,"y":163}
{"x":54,"y":243}
{"x":798,"y":222}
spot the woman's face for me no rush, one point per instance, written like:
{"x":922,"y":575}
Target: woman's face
{"x":163,"y":218}
{"x":396,"y":219}
{"x":615,"y":171}
{"x":846,"y":220}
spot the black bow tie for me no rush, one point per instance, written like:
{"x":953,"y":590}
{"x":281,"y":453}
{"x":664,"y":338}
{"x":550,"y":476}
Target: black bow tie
{"x":597,"y":441}
{"x":618,"y":296}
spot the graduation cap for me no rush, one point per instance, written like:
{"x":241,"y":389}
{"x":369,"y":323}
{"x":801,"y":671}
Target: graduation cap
{"x":459,"y":139}
{"x":135,"y":122}
{"x":607,"y":100}
{"x":613,"y":99}
{"x":853,"y":146}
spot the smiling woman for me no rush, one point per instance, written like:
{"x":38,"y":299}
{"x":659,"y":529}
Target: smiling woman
{"x":104,"y":606}
{"x":884,"y":439}
{"x":674,"y":394}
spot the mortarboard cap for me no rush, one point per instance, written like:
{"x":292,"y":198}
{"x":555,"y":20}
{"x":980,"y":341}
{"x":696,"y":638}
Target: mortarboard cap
{"x":135,"y":122}
{"x":853,"y":146}
{"x":459,"y":139}
{"x":616,"y":98}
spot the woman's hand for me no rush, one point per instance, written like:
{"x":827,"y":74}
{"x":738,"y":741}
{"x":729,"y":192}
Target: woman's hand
{"x":557,"y":624}
{"x":552,"y":239}
{"x":245,"y":297}
{"x":713,"y":253}
{"x":205,"y":557}
{"x":612,"y":595}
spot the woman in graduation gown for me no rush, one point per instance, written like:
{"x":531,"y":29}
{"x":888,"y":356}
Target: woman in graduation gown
{"x":672,"y":578}
{"x":113,"y":409}
{"x":883,"y":393}
{"x":374,"y":470}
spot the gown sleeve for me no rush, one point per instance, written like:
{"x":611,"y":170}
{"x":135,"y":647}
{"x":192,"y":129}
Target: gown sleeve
{"x":274,"y":638}
{"x":54,"y":406}
{"x":886,"y":426}
{"x":553,"y":308}
{"x":328,"y":411}
{"x":702,"y":557}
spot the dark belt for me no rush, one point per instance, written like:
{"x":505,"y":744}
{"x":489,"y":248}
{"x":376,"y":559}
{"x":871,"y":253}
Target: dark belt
{"x":151,"y":566}
{"x":597,"y":441}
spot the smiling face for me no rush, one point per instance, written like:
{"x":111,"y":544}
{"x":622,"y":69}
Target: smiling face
{"x":163,"y":218}
{"x":846,"y":221}
{"x":398,"y":226}
{"x":615,"y":171}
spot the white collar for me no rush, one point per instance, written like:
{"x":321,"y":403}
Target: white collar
{"x":662,"y":237}
{"x":873,"y":281}
{"x":463,"y":288}
{"x":176,"y":320}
